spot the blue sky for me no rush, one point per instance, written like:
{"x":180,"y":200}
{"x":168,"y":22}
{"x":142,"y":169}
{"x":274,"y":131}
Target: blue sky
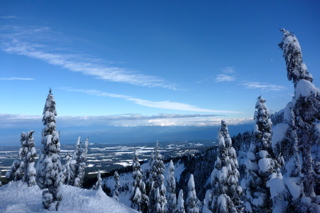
{"x":148,"y":63}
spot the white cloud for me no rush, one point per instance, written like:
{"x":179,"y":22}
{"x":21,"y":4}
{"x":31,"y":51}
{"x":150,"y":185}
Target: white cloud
{"x":224,"y":77}
{"x":262,"y":86}
{"x":126,"y":120}
{"x":153,"y":104}
{"x":16,"y":79}
{"x":8,"y":17}
{"x":16,"y":40}
{"x":228,"y":70}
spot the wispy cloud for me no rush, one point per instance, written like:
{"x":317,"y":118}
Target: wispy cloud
{"x":262,"y":86}
{"x":16,"y":40}
{"x":224,"y":77}
{"x":153,"y":104}
{"x":229,"y":70}
{"x":16,"y":79}
{"x":9,"y":17}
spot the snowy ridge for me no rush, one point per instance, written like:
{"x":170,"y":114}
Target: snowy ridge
{"x":18,"y":197}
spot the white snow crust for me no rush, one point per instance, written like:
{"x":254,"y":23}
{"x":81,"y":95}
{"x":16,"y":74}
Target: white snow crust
{"x":305,"y":88}
{"x":18,"y":197}
{"x":279,"y":133}
{"x":294,"y":188}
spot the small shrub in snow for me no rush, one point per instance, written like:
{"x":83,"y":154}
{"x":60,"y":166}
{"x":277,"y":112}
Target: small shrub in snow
{"x":98,"y":184}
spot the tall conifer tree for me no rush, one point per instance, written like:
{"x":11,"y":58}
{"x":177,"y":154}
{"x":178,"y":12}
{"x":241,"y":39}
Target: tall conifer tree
{"x":301,"y":117}
{"x":139,"y":198}
{"x":157,"y":196}
{"x":225,"y":193}
{"x":49,"y":174}
{"x":171,"y":189}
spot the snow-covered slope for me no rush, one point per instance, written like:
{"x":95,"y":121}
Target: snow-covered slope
{"x":18,"y":197}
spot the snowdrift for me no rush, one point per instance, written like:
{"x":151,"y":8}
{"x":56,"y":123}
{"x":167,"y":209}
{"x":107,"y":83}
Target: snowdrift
{"x":18,"y":197}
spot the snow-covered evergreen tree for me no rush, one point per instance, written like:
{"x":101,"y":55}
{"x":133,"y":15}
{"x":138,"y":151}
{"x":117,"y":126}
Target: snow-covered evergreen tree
{"x":18,"y":166}
{"x":80,"y":156}
{"x":15,"y":173}
{"x":296,"y":68}
{"x":117,"y":186}
{"x":171,"y":189}
{"x":24,"y":167}
{"x":193,"y":203}
{"x":297,"y":136}
{"x":67,"y":170}
{"x":180,"y":205}
{"x":261,"y":164}
{"x":225,"y":193}
{"x":147,"y":173}
{"x":74,"y":168}
{"x":30,"y":170}
{"x":157,"y":195}
{"x":139,"y":198}
{"x":98,"y":184}
{"x":49,"y":169}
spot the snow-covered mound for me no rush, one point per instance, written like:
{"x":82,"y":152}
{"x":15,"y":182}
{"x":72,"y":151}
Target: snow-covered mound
{"x":18,"y":197}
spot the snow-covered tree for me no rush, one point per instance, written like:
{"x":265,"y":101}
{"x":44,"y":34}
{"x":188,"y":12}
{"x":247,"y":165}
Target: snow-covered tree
{"x":74,"y":168}
{"x":67,"y":171}
{"x":147,"y":173}
{"x":225,"y":193}
{"x":171,"y":189}
{"x":80,"y":156}
{"x":49,"y":168}
{"x":139,"y":198}
{"x":18,"y":166}
{"x":157,"y":195}
{"x":24,"y":167}
{"x":261,"y":164}
{"x":296,"y":68}
{"x":180,"y":205}
{"x":98,"y":184}
{"x":15,"y":173}
{"x":297,"y":136}
{"x":193,"y":204}
{"x":117,"y":186}
{"x":30,"y":170}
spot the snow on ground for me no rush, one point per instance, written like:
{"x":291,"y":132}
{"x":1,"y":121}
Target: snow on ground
{"x":125,"y":186}
{"x":18,"y":197}
{"x":178,"y":169}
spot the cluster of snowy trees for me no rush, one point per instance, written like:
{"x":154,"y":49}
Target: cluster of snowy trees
{"x":149,"y":193}
{"x":279,"y":170}
{"x":280,"y":167}
{"x":49,"y":174}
